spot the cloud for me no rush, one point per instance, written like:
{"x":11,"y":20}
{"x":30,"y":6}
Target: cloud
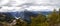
{"x":10,"y":9}
{"x":33,"y":5}
{"x":48,"y":5}
{"x":3,"y":2}
{"x":41,"y":8}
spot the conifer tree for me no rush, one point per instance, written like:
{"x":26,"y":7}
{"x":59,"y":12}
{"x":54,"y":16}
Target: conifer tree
{"x":59,"y":11}
{"x":39,"y":20}
{"x":53,"y":18}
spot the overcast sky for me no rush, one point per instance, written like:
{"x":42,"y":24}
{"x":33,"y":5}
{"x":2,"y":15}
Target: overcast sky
{"x":30,"y":5}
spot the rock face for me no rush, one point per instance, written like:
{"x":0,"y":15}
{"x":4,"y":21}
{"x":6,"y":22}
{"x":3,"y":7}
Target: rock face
{"x":1,"y":24}
{"x":6,"y":17}
{"x":9,"y":16}
{"x":16,"y":22}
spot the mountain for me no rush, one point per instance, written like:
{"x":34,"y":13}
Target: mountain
{"x":25,"y":15}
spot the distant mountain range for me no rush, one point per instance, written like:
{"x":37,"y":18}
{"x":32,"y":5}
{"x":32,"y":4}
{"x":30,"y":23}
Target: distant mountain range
{"x":26,"y":14}
{"x":34,"y":12}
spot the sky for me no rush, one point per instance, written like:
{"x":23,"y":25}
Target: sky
{"x":30,"y":5}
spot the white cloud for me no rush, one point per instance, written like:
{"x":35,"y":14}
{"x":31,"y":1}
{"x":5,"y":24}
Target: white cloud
{"x":40,"y":8}
{"x":35,"y":5}
{"x":10,"y":9}
{"x":17,"y":2}
{"x":3,"y":2}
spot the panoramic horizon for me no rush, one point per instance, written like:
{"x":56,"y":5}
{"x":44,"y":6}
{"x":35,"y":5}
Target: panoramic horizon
{"x":29,"y":12}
